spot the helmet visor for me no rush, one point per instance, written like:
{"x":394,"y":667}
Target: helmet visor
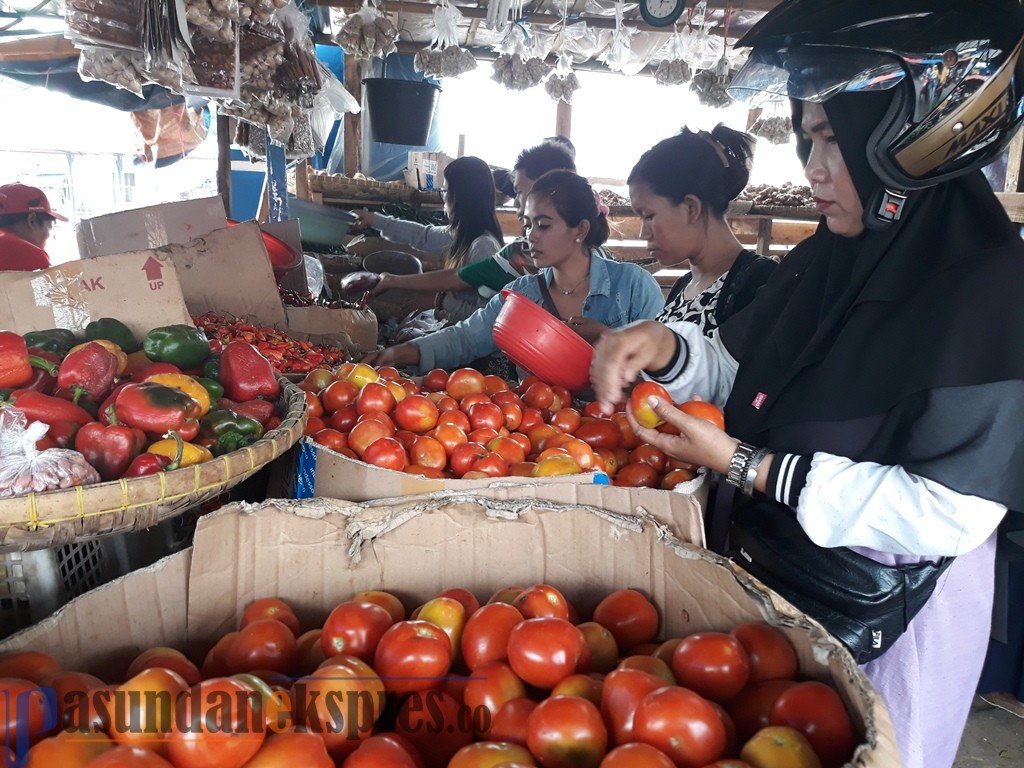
{"x":813,"y":73}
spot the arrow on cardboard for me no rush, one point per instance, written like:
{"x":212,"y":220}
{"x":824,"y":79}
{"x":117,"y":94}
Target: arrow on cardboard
{"x":154,"y":269}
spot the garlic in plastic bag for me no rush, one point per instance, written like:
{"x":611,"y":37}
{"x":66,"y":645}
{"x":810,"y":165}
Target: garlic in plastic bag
{"x":674,"y":68}
{"x":367,"y":33}
{"x":563,"y":81}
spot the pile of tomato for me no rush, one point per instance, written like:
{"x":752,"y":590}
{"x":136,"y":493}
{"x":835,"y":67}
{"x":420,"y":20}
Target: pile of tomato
{"x":518,"y":681}
{"x":468,"y":425}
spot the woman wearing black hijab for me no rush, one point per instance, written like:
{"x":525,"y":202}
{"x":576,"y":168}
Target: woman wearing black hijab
{"x":874,"y":389}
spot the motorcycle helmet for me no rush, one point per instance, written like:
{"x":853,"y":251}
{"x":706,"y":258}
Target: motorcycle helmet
{"x":956,"y":66}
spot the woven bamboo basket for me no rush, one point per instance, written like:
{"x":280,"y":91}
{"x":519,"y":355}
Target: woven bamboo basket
{"x":54,"y":518}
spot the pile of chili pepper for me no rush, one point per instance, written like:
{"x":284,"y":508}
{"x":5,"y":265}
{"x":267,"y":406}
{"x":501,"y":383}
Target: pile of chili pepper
{"x":286,"y":354}
{"x":292,"y":298}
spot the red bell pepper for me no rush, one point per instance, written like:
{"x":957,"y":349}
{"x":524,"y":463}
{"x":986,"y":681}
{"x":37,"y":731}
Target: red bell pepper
{"x":16,"y":363}
{"x":257,"y":410}
{"x":43,"y":379}
{"x":246,"y":374}
{"x":152,"y":369}
{"x":105,"y":412}
{"x":110,"y":448}
{"x":151,"y":463}
{"x":89,"y":370}
{"x":156,"y":408}
{"x":63,"y":433}
{"x":47,"y":408}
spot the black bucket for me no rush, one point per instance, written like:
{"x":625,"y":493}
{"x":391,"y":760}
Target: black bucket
{"x":400,"y":110}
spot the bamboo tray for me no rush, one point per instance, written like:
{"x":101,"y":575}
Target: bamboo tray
{"x":54,"y":518}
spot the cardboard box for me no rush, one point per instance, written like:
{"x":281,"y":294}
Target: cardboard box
{"x":356,"y":326}
{"x":425,"y":170}
{"x":151,"y":227}
{"x":318,"y":553}
{"x":141,"y":289}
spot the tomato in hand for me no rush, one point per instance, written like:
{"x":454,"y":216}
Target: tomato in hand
{"x":641,"y":409}
{"x":702,"y":409}
{"x":567,"y":732}
{"x":816,"y":710}
{"x":714,"y":664}
{"x":542,"y":651}
{"x":629,"y":616}
{"x":681,"y":724}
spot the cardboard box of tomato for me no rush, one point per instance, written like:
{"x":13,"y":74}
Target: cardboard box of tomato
{"x":318,"y":553}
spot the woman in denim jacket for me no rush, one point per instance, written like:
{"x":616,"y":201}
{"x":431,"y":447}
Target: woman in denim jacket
{"x":566,"y":227}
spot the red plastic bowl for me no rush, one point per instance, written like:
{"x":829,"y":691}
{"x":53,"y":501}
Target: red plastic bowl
{"x":282,"y":257}
{"x":539,"y":342}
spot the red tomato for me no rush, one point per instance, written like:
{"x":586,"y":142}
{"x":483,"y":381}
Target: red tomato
{"x":623,"y":691}
{"x":464,"y":596}
{"x":751,"y":708}
{"x":435,"y":380}
{"x":510,"y":722}
{"x":465,"y":381}
{"x":566,"y":419}
{"x":538,"y":395}
{"x":466,"y":404}
{"x":131,"y":705}
{"x":816,"y":710}
{"x":600,"y":433}
{"x":531,"y":418}
{"x":464,"y":456}
{"x":512,"y":414}
{"x":263,"y":644}
{"x":387,"y":453}
{"x":208,"y":734}
{"x":417,"y":414}
{"x":428,"y":452}
{"x":640,"y":407}
{"x":330,"y":438}
{"x":508,"y":449}
{"x":176,"y":662}
{"x":450,"y":436}
{"x":337,"y":395}
{"x":375,"y":397}
{"x":779,"y":747}
{"x":681,"y":724}
{"x":26,"y":712}
{"x":713,"y":664}
{"x":543,"y":651}
{"x":629,"y":616}
{"x":636,"y":755}
{"x":771,"y":654}
{"x":648,"y":454}
{"x":491,"y":754}
{"x":629,"y":438}
{"x":28,"y":665}
{"x":67,"y":750}
{"x":458,"y":418}
{"x":584,"y":686}
{"x":343,"y":419}
{"x":603,"y":650}
{"x":354,"y":628}
{"x":313,"y":405}
{"x":485,"y":636}
{"x":567,"y":732}
{"x":492,"y":465}
{"x":489,"y":688}
{"x":384,"y":750}
{"x":704,"y":410}
{"x":412,"y":656}
{"x":637,"y":475}
{"x":341,"y":701}
{"x":652,"y":665}
{"x":505,"y":595}
{"x":436,"y":724}
{"x":385,"y":600}
{"x":674,"y":477}
{"x":495,"y":384}
{"x":292,"y":748}
{"x":129,"y":757}
{"x":542,"y":600}
{"x":365,"y":433}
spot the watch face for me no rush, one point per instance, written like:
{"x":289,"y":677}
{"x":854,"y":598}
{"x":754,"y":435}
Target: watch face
{"x":661,"y":12}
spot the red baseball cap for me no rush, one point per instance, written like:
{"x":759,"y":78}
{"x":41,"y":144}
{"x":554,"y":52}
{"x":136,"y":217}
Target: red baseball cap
{"x":21,"y":198}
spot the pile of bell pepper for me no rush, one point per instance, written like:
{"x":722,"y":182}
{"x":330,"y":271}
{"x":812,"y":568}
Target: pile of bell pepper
{"x":286,"y":354}
{"x":133,"y":406}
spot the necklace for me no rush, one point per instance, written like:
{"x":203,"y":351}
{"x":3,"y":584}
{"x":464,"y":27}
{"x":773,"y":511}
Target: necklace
{"x":573,"y":289}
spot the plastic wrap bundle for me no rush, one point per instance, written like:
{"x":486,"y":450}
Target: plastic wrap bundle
{"x":367,"y":33}
{"x":518,"y":74}
{"x":710,"y":85}
{"x":213,"y":19}
{"x":259,"y":11}
{"x":776,"y":129}
{"x":562,"y":83}
{"x":674,"y":69}
{"x":443,"y":57}
{"x":619,"y":53}
{"x":107,"y":23}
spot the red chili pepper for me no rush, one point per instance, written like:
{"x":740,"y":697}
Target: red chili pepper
{"x":89,"y":370}
{"x":110,"y":448}
{"x":48,"y":409}
{"x":16,"y":363}
{"x":246,"y":374}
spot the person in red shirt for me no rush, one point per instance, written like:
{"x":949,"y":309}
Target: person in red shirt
{"x":25,"y":223}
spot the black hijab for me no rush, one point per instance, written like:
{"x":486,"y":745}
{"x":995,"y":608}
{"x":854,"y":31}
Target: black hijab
{"x":848,"y":328}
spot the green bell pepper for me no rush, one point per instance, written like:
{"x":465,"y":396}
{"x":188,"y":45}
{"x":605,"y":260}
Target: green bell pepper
{"x":211,"y":369}
{"x":56,"y":340}
{"x":215,"y":388}
{"x":228,"y":431}
{"x":112,"y":329}
{"x":181,"y":345}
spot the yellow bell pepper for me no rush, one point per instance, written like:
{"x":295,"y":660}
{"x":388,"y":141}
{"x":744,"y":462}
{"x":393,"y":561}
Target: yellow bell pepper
{"x":190,"y":454}
{"x":116,"y":351}
{"x":185,"y":384}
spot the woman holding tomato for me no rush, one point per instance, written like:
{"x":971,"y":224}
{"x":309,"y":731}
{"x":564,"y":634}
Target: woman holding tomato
{"x":575,"y":281}
{"x":681,"y":188}
{"x":874,"y":389}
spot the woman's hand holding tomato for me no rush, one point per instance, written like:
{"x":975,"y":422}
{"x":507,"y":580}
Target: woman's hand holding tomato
{"x":620,"y":356}
{"x":698,"y":442}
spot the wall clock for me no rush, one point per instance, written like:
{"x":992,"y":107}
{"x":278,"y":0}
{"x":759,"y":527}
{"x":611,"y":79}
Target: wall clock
{"x":661,"y":13}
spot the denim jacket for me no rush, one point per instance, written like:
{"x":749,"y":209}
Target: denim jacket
{"x":619,"y":293}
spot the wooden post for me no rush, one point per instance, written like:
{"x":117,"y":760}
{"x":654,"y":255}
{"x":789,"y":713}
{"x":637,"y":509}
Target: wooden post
{"x":1014,"y":164}
{"x":563,"y":120}
{"x":353,"y":126}
{"x":225,"y":128}
{"x":462,"y":145}
{"x":302,"y":180}
{"x":764,"y":236}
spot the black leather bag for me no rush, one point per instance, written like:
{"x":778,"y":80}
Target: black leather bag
{"x":864,"y":604}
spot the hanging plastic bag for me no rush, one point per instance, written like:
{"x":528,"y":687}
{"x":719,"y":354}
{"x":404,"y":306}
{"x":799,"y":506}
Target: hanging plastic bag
{"x":24,"y":468}
{"x":618,"y":54}
{"x":674,"y":68}
{"x":562,"y":83}
{"x":367,"y":33}
{"x":443,"y":57}
{"x":517,"y":67}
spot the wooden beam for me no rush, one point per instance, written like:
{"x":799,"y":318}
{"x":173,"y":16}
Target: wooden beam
{"x":225,"y":133}
{"x":353,"y":123}
{"x":563,"y":119}
{"x":1014,"y":164}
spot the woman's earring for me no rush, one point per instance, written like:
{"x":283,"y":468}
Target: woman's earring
{"x":578,"y":239}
